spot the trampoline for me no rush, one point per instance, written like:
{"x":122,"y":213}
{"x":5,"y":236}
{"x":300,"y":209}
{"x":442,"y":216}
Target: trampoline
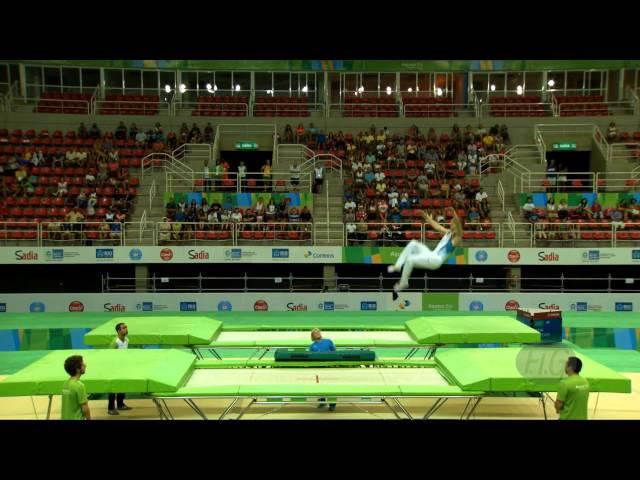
{"x":167,"y":375}
{"x":419,"y":333}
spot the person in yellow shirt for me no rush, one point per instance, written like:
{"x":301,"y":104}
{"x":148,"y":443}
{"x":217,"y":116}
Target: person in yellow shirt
{"x":266,"y":175}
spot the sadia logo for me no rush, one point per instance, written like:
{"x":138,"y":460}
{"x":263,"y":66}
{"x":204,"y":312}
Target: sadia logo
{"x":301,"y":307}
{"x":513,"y":256}
{"x":404,"y":304}
{"x":3,"y":307}
{"x":368,"y":305}
{"x":188,"y":306}
{"x":195,"y":255}
{"x":135,"y":254}
{"x":104,"y":253}
{"x":117,"y":307}
{"x":225,"y":306}
{"x":28,"y":255}
{"x":511,"y":305}
{"x":261,"y":306}
{"x":37,"y":307}
{"x":476,"y":306}
{"x":76,"y":306}
{"x":548,"y":306}
{"x":548,"y":257}
{"x":166,"y":254}
{"x":482,"y":256}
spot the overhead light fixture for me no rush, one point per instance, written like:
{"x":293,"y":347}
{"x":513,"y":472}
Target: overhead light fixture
{"x":167,"y":88}
{"x":417,"y":89}
{"x":238,"y":87}
{"x":439,"y":92}
{"x":519,"y":90}
{"x":551,"y":82}
{"x":209,"y":86}
{"x":215,"y":87}
{"x":409,"y":89}
{"x":305,"y":89}
{"x":492,"y":87}
{"x":183,"y":88}
{"x":388,"y":90}
{"x":361,"y":89}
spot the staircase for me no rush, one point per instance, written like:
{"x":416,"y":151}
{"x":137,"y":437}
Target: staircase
{"x":151,"y":206}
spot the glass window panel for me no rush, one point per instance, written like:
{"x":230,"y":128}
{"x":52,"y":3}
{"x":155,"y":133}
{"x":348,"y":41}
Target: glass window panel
{"x":264,"y":82}
{"x":387,"y":80}
{"x":71,"y":77}
{"x":132,"y":80}
{"x":150,"y":85}
{"x":113,"y":78}
{"x":370,"y":84}
{"x":4,"y":73}
{"x":558,"y":81}
{"x":244,"y":80}
{"x":408,"y":81}
{"x":90,"y":79}
{"x":575,"y":83}
{"x":533,"y":83}
{"x":52,"y":76}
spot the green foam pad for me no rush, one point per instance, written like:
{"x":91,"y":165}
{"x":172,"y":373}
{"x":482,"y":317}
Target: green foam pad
{"x":158,"y":330}
{"x":108,"y":371}
{"x":530,"y":369}
{"x":470,"y":329}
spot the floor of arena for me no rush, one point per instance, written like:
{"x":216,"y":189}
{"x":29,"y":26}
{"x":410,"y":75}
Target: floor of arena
{"x":594,"y":334}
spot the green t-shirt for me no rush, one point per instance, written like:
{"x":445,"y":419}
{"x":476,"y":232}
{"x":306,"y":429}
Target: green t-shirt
{"x":574,"y":392}
{"x":74,"y":394}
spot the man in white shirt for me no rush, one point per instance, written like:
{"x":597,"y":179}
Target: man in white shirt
{"x":242,"y":173}
{"x":294,"y":170}
{"x":319,"y":178}
{"x":528,"y":207}
{"x":483,"y":202}
{"x":120,"y":342}
{"x":379,"y":175}
{"x":349,"y":204}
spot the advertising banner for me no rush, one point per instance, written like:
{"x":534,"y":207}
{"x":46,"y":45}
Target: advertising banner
{"x":568,"y":302}
{"x":554,"y":256}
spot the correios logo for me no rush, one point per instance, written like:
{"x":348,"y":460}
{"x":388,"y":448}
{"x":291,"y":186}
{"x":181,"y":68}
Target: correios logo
{"x":109,"y":307}
{"x":195,"y":255}
{"x":26,"y":255}
{"x":301,"y":307}
{"x":166,"y":254}
{"x":512,"y":305}
{"x":513,"y":256}
{"x":310,"y":254}
{"x":261,"y":306}
{"x":76,"y":306}
{"x":548,"y":306}
{"x":548,"y":257}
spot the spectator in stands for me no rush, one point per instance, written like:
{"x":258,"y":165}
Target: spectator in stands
{"x":318,"y":178}
{"x":357,"y":164}
{"x":294,"y":171}
{"x":504,"y":133}
{"x":395,"y":216}
{"x":369,"y":176}
{"x":359,"y":178}
{"x":282,"y":210}
{"x":313,"y":132}
{"x":529,"y":207}
{"x":172,"y":141}
{"x":37,"y":158}
{"x":213,"y":216}
{"x":430,"y":168}
{"x":552,"y":209}
{"x":271,"y":211}
{"x":633,"y":211}
{"x":288,"y":134}
{"x":361,"y":213}
{"x":482,"y":199}
{"x":300,"y":134}
{"x":305,"y":215}
{"x":474,"y":217}
{"x":456,"y":135}
{"x":248,"y":217}
{"x":133,"y":131}
{"x":350,"y":215}
{"x":121,"y":131}
{"x":351,"y":233}
{"x":423,"y":185}
{"x":62,"y":188}
{"x":597,"y":210}
{"x":372,"y":211}
{"x":321,"y":141}
{"x":381,"y":189}
{"x":293,"y":215}
{"x":583,"y":209}
{"x":383,"y":209}
{"x":81,"y":200}
{"x":349,"y":204}
{"x":563,"y":210}
{"x":208,"y":133}
{"x":94,"y":131}
{"x":458,"y":200}
{"x":404,"y":200}
{"x":242,"y":174}
{"x":91,"y":204}
{"x":612,"y":132}
{"x":473,"y":162}
{"x":393,"y":196}
{"x":164,"y":230}
{"x":141,"y":139}
{"x":82,"y":131}
{"x":617,"y":216}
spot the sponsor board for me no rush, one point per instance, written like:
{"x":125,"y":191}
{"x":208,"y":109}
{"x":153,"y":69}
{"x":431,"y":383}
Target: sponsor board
{"x":188,"y":306}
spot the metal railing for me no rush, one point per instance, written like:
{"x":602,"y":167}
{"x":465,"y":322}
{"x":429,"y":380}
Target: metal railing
{"x":49,"y":105}
{"x":294,"y":152}
{"x":501,"y":194}
{"x":366,"y":109}
{"x":201,"y":153}
{"x":517,"y":109}
{"x":508,"y":234}
{"x":585,"y":109}
{"x":127,"y":107}
{"x":232,"y":182}
{"x":210,"y":109}
{"x":618,"y":181}
{"x":153,"y":190}
{"x":172,"y":167}
{"x":287,"y":109}
{"x":558,"y":182}
{"x":380,"y":283}
{"x":629,"y":151}
{"x":438,"y":109}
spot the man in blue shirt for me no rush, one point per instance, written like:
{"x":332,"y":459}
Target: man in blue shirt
{"x":322,"y":345}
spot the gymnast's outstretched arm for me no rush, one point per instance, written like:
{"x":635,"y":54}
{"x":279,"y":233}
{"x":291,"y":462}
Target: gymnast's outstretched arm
{"x":436,"y":226}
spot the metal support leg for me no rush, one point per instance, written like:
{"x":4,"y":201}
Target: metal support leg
{"x":195,"y":408}
{"x":244,"y":410}
{"x":434,"y":408}
{"x":161,"y":413}
{"x":228,"y":409}
{"x":196,"y":352}
{"x":464,"y":412}
{"x":544,"y":406}
{"x":167,"y":410}
{"x":264,"y":353}
{"x":49,"y":407}
{"x":411,"y":353}
{"x":384,"y":400}
{"x":215,"y":353}
{"x":404,"y":410}
{"x":474,"y":407}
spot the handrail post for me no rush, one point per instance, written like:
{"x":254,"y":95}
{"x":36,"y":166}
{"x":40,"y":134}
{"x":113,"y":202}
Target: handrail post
{"x":609,"y":283}
{"x":153,"y":280}
{"x":381,"y":279}
{"x":246,"y":282}
{"x":471,"y":282}
{"x":290,"y":282}
{"x":562,"y":282}
{"x":199,"y":282}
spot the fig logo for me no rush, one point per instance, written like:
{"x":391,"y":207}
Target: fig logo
{"x":76,"y":306}
{"x":166,"y":254}
{"x":512,"y":305}
{"x":261,"y":306}
{"x":513,"y":256}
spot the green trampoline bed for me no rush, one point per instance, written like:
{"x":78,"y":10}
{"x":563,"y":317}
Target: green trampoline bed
{"x":419,"y":333}
{"x":167,"y":375}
